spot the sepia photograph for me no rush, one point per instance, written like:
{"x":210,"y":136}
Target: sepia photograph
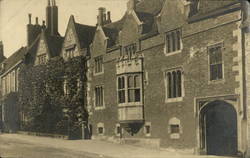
{"x":124,"y":79}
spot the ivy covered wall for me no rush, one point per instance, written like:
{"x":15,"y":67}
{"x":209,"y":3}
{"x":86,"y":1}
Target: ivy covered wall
{"x":52,"y":96}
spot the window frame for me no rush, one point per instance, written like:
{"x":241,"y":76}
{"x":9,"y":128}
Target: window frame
{"x":176,"y":46}
{"x":118,"y":132}
{"x":42,"y":59}
{"x":99,"y":107}
{"x":100,"y":125}
{"x":100,"y":65}
{"x":176,"y":88}
{"x":147,"y":124}
{"x":130,"y":50}
{"x":221,"y":45}
{"x":132,"y":103}
{"x":174,"y":122}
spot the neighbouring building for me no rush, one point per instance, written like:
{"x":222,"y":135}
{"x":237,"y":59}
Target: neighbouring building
{"x":173,"y":74}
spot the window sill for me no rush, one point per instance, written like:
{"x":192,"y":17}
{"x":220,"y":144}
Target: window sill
{"x":130,"y":104}
{"x":175,"y":136}
{"x":148,"y":135}
{"x":100,"y":134}
{"x":99,"y":73}
{"x":219,"y":81}
{"x":172,"y":100}
{"x":100,"y":108}
{"x":118,"y":135}
{"x":172,"y":53}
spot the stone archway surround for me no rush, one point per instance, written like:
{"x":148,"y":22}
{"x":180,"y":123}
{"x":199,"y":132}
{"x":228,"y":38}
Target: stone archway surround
{"x":200,"y":103}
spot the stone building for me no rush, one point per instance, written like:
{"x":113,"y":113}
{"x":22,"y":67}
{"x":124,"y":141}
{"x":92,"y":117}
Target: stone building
{"x":172,"y":74}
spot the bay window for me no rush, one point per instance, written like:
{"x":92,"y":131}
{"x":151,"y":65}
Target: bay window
{"x":129,"y":88}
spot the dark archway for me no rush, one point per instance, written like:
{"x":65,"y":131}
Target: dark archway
{"x":219,"y":128}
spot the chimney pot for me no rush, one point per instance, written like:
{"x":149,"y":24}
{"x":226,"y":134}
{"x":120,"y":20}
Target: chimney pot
{"x":108,"y":16}
{"x":29,"y":18}
{"x":48,"y":2}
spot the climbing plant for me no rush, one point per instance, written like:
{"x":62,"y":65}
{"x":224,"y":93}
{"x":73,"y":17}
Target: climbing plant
{"x":52,"y":95}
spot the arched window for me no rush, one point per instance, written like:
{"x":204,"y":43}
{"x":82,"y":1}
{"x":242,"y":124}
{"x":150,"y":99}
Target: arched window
{"x":174,"y":84}
{"x":174,"y":128}
{"x":173,"y":41}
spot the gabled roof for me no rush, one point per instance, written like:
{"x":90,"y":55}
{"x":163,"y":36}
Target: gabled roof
{"x":85,"y":34}
{"x":146,"y":11}
{"x":14,"y":59}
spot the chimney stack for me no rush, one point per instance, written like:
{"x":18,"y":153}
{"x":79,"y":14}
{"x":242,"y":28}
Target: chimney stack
{"x":1,"y":50}
{"x":108,"y":17}
{"x":52,"y":17}
{"x":101,"y":16}
{"x":29,"y":18}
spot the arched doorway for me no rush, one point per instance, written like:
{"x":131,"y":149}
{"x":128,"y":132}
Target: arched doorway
{"x":218,"y":122}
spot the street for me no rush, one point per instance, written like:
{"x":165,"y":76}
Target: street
{"x":14,"y":148}
{"x":24,"y":146}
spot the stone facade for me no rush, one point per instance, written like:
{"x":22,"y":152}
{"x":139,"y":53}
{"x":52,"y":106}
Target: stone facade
{"x":170,"y":74}
{"x":162,"y":121}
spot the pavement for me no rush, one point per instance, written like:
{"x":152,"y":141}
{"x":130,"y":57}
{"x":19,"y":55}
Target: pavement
{"x":25,"y":146}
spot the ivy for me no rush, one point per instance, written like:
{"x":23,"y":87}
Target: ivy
{"x":45,"y":106}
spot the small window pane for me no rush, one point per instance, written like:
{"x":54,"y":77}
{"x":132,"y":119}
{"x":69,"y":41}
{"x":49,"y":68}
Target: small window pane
{"x":137,"y":81}
{"x":174,"y":128}
{"x":121,"y":94}
{"x":137,"y":95}
{"x":169,"y":85}
{"x":131,"y":95}
{"x":130,"y":81}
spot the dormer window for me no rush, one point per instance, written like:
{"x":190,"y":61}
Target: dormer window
{"x":42,"y":59}
{"x":130,"y":50}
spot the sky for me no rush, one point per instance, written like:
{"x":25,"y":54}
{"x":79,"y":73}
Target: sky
{"x":14,"y":17}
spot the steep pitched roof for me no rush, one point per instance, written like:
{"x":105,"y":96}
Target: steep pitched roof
{"x":85,"y":34}
{"x":112,"y":30}
{"x":112,"y":34}
{"x":54,"y":44}
{"x":225,"y":8}
{"x":152,"y":7}
{"x":14,"y":59}
{"x":31,"y":51}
